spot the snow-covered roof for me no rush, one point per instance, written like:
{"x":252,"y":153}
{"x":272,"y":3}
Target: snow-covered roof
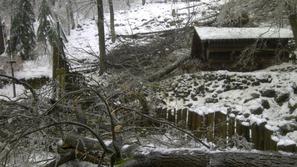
{"x":208,"y":33}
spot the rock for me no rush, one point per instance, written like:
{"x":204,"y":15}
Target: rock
{"x":265,"y":79}
{"x":194,"y":97}
{"x":246,"y":115}
{"x":257,"y":111}
{"x":294,"y":87}
{"x":255,"y":95}
{"x":211,"y":100}
{"x":288,"y":127}
{"x":235,"y":112}
{"x":244,"y":81}
{"x":227,"y":88}
{"x":268,"y":93}
{"x":195,"y":83}
{"x":256,"y":83}
{"x":292,"y":104}
{"x":282,"y":97}
{"x":290,"y":118}
{"x":265,"y":104}
{"x":189,"y":105}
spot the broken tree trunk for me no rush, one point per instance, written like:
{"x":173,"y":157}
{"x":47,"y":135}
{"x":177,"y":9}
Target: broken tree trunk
{"x":182,"y":54}
{"x":209,"y":159}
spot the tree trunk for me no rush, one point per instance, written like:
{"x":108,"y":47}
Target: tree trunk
{"x":293,"y":23}
{"x":112,"y":29}
{"x":2,"y":45}
{"x":184,"y":54}
{"x":216,"y":159}
{"x":128,"y":3}
{"x":101,"y":36}
{"x":70,"y":16}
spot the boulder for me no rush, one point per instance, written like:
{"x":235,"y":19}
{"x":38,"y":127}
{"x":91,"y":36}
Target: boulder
{"x":265,"y":104}
{"x":268,"y":93}
{"x":257,"y":110}
{"x":194,"y":97}
{"x":211,"y":100}
{"x":294,"y":87}
{"x":292,"y":104}
{"x":246,"y":115}
{"x":255,"y":95}
{"x":282,"y":97}
{"x":288,"y":127}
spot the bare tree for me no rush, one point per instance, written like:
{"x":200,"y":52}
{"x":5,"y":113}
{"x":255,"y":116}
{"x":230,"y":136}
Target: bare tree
{"x":100,"y":25}
{"x":70,"y":16}
{"x":112,"y":29}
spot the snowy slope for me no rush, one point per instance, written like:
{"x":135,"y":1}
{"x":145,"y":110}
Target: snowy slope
{"x":83,"y":42}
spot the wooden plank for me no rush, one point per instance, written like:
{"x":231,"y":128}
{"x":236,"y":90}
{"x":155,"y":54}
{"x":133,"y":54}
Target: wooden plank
{"x":210,"y":126}
{"x":220,"y":125}
{"x":231,"y":126}
{"x":190,"y":115}
{"x":171,"y":116}
{"x":255,"y":136}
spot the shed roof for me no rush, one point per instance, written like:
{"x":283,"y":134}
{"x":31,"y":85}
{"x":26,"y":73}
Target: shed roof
{"x":209,"y":33}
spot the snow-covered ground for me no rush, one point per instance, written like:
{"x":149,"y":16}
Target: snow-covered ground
{"x":41,"y":67}
{"x":83,"y":42}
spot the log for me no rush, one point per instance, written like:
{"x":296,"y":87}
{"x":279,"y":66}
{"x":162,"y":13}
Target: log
{"x":184,"y":55}
{"x":212,"y":159}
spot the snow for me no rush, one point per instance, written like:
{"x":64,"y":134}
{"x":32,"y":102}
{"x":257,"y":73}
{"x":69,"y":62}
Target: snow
{"x":208,"y":33}
{"x":285,"y":141}
{"x":6,"y":91}
{"x":41,"y":67}
{"x":83,"y":42}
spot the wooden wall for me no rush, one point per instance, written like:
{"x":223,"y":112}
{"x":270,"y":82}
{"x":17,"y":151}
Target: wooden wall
{"x":217,"y":125}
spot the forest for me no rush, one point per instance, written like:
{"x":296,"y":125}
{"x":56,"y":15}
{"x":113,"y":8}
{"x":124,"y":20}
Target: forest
{"x":148,"y":83}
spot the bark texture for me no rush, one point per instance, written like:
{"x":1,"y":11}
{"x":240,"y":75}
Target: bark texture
{"x":101,"y":36}
{"x":2,"y":47}
{"x":112,"y":29}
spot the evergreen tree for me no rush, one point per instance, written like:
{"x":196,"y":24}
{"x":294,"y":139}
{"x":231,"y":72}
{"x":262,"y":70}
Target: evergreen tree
{"x":22,"y":36}
{"x":44,"y":19}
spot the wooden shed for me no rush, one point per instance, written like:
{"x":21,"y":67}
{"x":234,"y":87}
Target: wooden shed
{"x":220,"y":48}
